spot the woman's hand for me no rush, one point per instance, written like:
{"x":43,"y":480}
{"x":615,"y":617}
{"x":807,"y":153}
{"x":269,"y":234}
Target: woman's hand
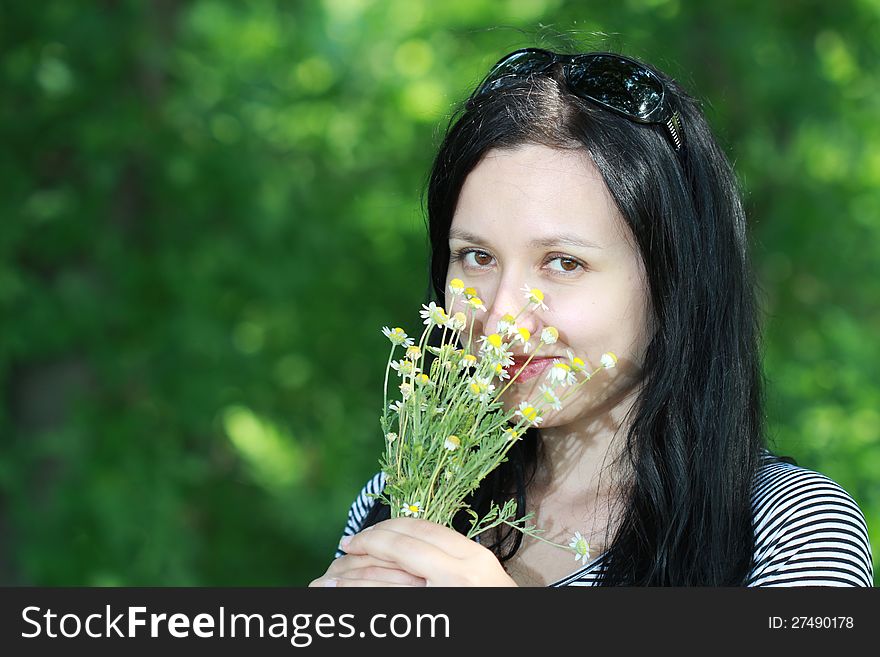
{"x":437,"y":555}
{"x":364,"y":570}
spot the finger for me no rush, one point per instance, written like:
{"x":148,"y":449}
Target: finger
{"x":324,"y":582}
{"x":409,"y":553}
{"x":351,"y":582}
{"x":348,"y":562}
{"x":446,"y":539}
{"x":390,"y":575}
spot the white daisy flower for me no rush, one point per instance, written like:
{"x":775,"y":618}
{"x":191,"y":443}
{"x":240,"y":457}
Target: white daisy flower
{"x":470,"y":292}
{"x":577,"y":364}
{"x":527,"y":411}
{"x":513,"y":434}
{"x":397,"y":336}
{"x":491,"y":342}
{"x":501,"y":372}
{"x":452,"y":443}
{"x":391,"y":436}
{"x":404,"y":367}
{"x":457,"y":322}
{"x":480,"y":389}
{"x":506,"y":325}
{"x":423,"y":380}
{"x":413,"y":353}
{"x":534,"y":296}
{"x":396,"y":406}
{"x":522,"y":336}
{"x":608,"y":360}
{"x":581,"y":548}
{"x":411,"y":510}
{"x":561,"y":373}
{"x":551,"y":398}
{"x":494,"y":357}
{"x":468,"y":360}
{"x":456,"y":286}
{"x":476,"y":303}
{"x":405,"y":390}
{"x":504,"y":358}
{"x":433,"y":314}
{"x":549,"y":335}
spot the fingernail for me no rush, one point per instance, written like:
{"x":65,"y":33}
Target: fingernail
{"x":344,"y":541}
{"x":330,"y":582}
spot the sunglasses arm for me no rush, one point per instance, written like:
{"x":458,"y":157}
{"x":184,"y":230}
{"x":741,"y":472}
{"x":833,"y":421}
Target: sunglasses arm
{"x":673,"y":126}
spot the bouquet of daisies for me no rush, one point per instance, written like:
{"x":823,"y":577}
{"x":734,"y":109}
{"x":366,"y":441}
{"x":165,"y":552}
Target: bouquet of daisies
{"x":449,"y":430}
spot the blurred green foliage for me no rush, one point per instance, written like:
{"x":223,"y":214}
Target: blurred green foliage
{"x":210,"y":208}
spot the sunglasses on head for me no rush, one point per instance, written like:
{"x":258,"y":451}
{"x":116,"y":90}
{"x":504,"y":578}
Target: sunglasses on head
{"x":617,"y":83}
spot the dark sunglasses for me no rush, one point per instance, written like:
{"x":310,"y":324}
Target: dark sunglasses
{"x":617,"y":83}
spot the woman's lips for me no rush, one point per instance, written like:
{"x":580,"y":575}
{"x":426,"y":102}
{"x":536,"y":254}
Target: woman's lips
{"x":530,"y":371}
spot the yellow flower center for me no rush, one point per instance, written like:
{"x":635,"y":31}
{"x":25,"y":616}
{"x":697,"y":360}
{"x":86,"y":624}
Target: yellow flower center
{"x":524,"y":334}
{"x":456,"y":284}
{"x":471,"y":292}
{"x":494,"y":340}
{"x":413,"y":508}
{"x":530,"y":413}
{"x":563,"y":366}
{"x":537,"y":294}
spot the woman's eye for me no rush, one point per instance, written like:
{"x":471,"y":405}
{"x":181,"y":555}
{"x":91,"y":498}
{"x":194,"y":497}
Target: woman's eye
{"x":481,"y":258}
{"x":472,"y":258}
{"x":567,"y":265}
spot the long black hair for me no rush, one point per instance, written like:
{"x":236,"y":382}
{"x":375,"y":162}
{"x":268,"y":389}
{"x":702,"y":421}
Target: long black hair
{"x":695,"y":434}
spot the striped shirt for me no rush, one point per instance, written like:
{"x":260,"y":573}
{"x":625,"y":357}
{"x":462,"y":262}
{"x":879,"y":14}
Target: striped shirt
{"x":808,"y":531}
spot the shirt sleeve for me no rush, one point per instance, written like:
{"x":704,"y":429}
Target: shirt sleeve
{"x":361,"y":507}
{"x":809,"y":532}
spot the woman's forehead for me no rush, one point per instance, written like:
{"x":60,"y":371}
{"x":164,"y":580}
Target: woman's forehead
{"x":538,"y":193}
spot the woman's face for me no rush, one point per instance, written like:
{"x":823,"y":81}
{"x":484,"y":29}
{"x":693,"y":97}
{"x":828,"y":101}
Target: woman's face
{"x":543,"y":217}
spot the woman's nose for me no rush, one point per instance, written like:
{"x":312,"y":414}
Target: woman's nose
{"x":509,"y":300}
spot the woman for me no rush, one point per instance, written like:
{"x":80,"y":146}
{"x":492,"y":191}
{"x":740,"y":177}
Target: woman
{"x":597,"y":179}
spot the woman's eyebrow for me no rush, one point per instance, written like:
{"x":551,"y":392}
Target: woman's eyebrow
{"x":562,"y":239}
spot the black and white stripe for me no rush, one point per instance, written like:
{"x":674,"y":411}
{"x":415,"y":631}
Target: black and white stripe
{"x":808,"y":531}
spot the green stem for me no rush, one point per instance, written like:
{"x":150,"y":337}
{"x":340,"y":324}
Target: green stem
{"x":385,"y":387}
{"x":516,"y":376}
{"x":473,"y":314}
{"x":437,"y":469}
{"x":533,"y":535}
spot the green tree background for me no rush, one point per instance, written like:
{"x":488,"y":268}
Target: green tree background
{"x":210,"y":208}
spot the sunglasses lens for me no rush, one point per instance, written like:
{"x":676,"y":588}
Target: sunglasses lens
{"x":618,"y":83}
{"x":516,"y":67}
